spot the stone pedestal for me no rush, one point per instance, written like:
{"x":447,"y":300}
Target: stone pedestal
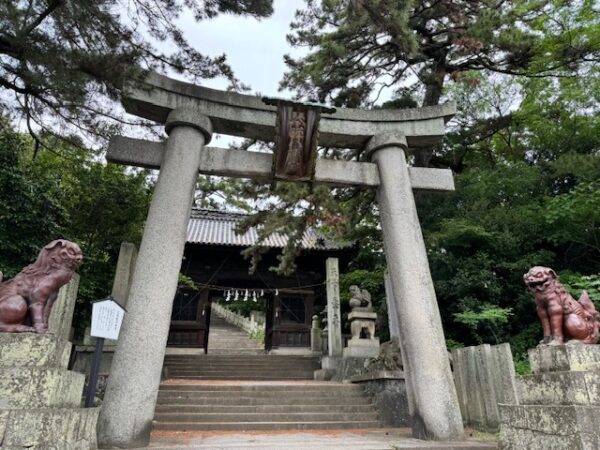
{"x":39,"y":398}
{"x":362,"y":322}
{"x":387,"y":389}
{"x":559,"y":404}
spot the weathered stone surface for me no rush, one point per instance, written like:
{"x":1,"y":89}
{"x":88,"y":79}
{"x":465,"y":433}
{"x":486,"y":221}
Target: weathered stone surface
{"x":48,"y":429}
{"x":84,"y":355}
{"x":559,"y":409}
{"x":334,"y":316}
{"x":560,"y":388}
{"x":61,"y":316}
{"x":124,"y":272}
{"x":34,"y":387}
{"x":390,"y":399}
{"x":245,"y":164}
{"x":245,"y":115}
{"x":545,"y":358}
{"x":341,"y":369}
{"x":484,"y":376}
{"x":549,"y":427}
{"x":362,"y":348}
{"x":391,"y":307}
{"x":29,"y":349}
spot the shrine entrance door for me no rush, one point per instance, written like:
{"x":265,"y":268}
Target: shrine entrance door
{"x":288,"y":319}
{"x":190,"y":319}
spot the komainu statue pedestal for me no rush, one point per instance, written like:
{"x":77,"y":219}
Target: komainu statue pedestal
{"x":40,"y":400}
{"x":559,"y":404}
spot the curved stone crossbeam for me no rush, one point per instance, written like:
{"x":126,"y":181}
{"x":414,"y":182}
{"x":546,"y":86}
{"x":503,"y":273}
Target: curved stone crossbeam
{"x":247,"y":116}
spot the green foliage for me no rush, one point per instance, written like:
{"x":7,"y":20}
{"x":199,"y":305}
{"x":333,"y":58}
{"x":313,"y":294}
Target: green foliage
{"x":258,"y":335}
{"x":523,"y":147}
{"x":243,"y":308}
{"x":66,"y":193}
{"x":522,"y":366}
{"x":486,"y":316}
{"x":30,"y":211}
{"x":185,"y":282}
{"x":577,"y":283}
{"x":451,"y":344}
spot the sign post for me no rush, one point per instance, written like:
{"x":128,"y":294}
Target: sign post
{"x":107,"y":317}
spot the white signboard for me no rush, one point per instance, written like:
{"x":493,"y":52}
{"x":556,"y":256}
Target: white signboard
{"x":107,"y":317}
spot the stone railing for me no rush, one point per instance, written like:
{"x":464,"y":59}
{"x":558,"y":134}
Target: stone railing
{"x":255,"y":322}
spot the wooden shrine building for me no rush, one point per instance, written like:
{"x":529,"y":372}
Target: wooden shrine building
{"x":213,"y":260}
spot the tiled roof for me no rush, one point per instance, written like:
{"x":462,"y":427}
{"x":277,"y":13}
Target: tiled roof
{"x":214,"y":227}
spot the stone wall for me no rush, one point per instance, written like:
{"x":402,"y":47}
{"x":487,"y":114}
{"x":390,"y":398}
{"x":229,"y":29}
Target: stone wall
{"x":40,"y":400}
{"x":484,"y":376}
{"x":559,"y":403}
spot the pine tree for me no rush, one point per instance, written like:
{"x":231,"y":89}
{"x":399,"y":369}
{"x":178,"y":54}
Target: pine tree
{"x":64,"y":62}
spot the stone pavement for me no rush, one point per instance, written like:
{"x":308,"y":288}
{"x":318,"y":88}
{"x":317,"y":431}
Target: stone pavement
{"x":386,"y":439}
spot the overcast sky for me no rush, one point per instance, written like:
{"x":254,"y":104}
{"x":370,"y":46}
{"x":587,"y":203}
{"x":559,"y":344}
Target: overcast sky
{"x":254,"y":48}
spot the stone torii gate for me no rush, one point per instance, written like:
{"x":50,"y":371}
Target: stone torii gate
{"x":190,"y":113}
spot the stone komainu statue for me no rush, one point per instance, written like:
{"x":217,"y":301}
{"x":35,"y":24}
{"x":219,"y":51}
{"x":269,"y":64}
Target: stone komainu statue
{"x":360,"y":298}
{"x":561,"y":315}
{"x":27,"y":299}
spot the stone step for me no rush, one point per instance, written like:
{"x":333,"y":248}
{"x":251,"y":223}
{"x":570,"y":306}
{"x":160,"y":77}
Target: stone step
{"x":241,"y":351}
{"x":238,"y":377}
{"x":248,"y":401}
{"x":249,"y":363}
{"x":241,"y":371}
{"x":246,"y":369}
{"x":259,"y":357}
{"x":252,"y":417}
{"x":262,"y":394}
{"x":259,"y":426}
{"x":249,"y":366}
{"x":316,"y":387}
{"x":275,"y":408}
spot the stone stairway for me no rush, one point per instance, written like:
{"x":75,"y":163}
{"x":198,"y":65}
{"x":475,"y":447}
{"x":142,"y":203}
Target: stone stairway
{"x":266,"y":406}
{"x":227,"y":339}
{"x":235,"y":388}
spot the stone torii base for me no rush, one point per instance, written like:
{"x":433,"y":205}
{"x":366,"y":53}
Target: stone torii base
{"x":190,"y":113}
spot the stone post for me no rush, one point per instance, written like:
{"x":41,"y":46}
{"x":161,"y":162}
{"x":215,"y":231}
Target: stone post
{"x":125,"y":266}
{"x":121,"y":283}
{"x":61,"y":316}
{"x":316,"y":345}
{"x":435,"y":409}
{"x":391,"y":306}
{"x":128,"y":408}
{"x":334,"y":319}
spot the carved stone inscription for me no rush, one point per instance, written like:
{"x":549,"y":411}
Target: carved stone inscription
{"x":334,"y":322}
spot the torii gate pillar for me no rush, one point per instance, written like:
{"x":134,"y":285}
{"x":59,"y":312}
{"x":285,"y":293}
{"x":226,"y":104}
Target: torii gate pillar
{"x":433,"y":399}
{"x":128,"y":408}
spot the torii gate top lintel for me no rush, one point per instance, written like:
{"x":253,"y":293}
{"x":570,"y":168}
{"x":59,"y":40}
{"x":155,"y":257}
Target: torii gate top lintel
{"x":247,"y":116}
